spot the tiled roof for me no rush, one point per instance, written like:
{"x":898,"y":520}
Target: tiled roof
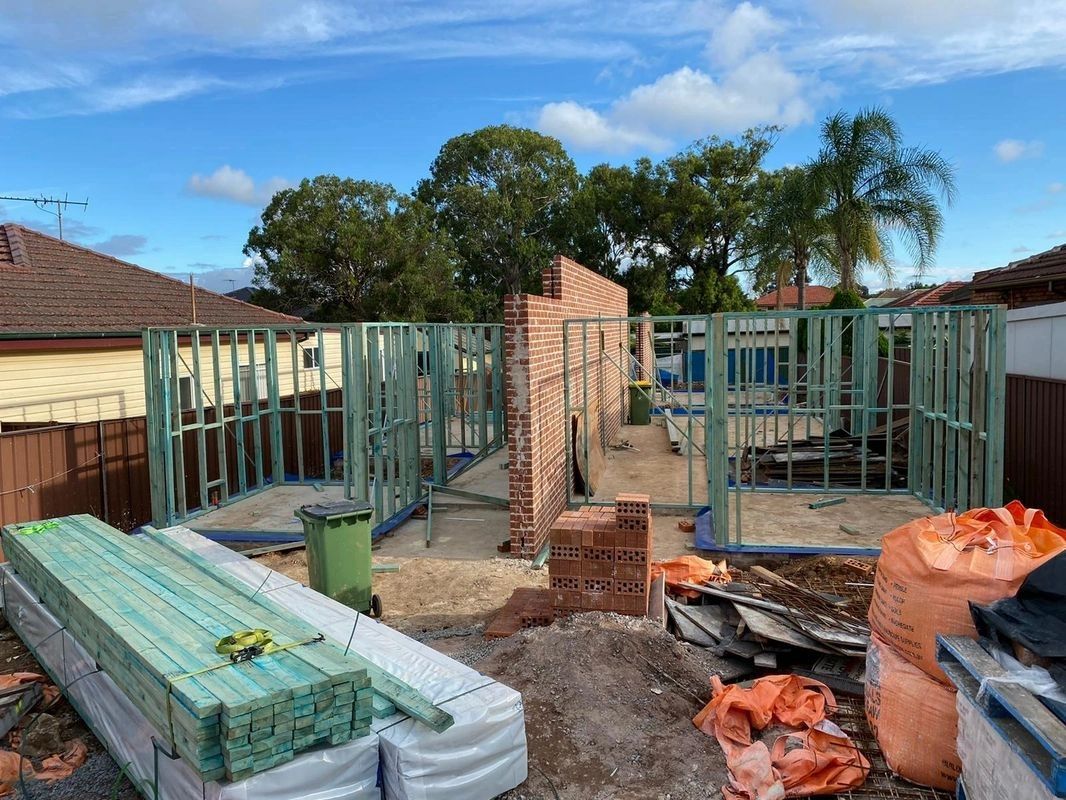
{"x":927,"y":297}
{"x":814,"y":296}
{"x":1049,"y":265}
{"x":52,"y":286}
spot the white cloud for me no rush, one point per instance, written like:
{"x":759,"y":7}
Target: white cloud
{"x":1009,"y":150}
{"x":227,"y":183}
{"x":760,"y":90}
{"x":1055,"y":187}
{"x":686,"y":103}
{"x":587,"y":129}
{"x":750,"y":86}
{"x":744,"y":28}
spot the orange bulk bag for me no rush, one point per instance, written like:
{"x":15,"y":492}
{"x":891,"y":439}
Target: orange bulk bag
{"x":931,"y":568}
{"x":913,"y":718}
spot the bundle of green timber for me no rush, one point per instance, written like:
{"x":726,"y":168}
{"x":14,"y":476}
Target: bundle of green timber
{"x":236,"y":687}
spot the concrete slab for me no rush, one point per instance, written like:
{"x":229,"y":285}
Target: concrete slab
{"x":769,"y":518}
{"x":267,"y":511}
{"x":462,"y":528}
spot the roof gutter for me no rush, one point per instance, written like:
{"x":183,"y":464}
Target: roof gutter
{"x":70,"y":335}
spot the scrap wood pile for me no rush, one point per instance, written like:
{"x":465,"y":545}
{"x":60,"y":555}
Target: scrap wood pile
{"x":767,"y":619}
{"x":235,"y":684}
{"x":806,"y":461}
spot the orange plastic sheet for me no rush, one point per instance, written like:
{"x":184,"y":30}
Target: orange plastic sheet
{"x":53,"y":768}
{"x":813,"y":757}
{"x":688,"y":569}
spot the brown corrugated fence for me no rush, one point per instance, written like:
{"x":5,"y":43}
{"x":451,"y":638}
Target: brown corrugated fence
{"x":98,"y":468}
{"x":1035,"y":450}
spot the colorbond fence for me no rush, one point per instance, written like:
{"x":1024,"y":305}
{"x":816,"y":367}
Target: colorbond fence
{"x":101,"y":468}
{"x":1036,"y":444}
{"x":98,"y":468}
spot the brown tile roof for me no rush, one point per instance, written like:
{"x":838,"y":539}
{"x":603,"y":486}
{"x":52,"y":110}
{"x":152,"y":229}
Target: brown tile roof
{"x":52,"y":286}
{"x":814,"y":296}
{"x":1046,"y":266}
{"x":934,"y":296}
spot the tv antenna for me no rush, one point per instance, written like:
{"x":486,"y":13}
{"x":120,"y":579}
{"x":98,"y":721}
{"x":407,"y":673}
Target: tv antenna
{"x":44,"y":202}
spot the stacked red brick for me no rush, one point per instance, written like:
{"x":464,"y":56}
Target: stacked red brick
{"x":600,"y":558}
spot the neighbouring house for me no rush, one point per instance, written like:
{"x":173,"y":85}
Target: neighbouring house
{"x":1034,"y":281}
{"x":929,"y":296}
{"x":70,"y":329}
{"x":244,"y":294}
{"x":814,"y":296}
{"x":884,"y":297}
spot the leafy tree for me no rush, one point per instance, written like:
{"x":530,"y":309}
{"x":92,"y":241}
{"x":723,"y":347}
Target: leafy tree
{"x":876,"y":188}
{"x":337,"y":249}
{"x":673,"y":231}
{"x":504,"y":195}
{"x":705,"y":221}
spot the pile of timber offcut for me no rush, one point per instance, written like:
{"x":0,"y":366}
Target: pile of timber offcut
{"x":157,"y":623}
{"x":775,"y":623}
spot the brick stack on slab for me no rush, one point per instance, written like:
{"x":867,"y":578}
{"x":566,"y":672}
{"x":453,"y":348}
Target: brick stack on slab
{"x":600,"y":558}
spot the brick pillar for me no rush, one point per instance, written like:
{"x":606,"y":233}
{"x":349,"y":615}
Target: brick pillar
{"x":645,"y":353}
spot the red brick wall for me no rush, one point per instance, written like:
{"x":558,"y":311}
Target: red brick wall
{"x":537,"y":428}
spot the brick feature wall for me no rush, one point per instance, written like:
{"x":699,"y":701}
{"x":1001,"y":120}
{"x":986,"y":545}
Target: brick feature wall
{"x":600,"y":558}
{"x":537,"y":428}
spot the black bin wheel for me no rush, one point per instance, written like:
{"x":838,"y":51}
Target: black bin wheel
{"x":375,"y":606}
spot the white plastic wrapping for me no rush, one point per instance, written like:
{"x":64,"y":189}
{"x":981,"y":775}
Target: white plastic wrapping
{"x":481,"y":756}
{"x":991,"y":768}
{"x":345,"y":772}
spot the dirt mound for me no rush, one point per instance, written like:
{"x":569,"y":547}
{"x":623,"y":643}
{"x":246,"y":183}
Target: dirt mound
{"x":609,"y":706}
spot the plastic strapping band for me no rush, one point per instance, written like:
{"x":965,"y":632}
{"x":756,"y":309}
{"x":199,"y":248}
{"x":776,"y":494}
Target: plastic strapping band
{"x":223,"y":643}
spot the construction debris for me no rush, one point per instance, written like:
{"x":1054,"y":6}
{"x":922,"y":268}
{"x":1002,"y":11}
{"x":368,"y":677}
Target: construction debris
{"x":765,"y":618}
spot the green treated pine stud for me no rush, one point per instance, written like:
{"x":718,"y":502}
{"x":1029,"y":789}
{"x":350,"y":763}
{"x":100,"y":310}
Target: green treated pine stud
{"x":829,"y":501}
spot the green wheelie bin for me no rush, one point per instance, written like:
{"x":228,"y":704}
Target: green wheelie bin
{"x":639,"y":403}
{"x":338,"y":552}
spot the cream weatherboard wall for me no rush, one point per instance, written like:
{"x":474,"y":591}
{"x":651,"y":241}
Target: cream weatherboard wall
{"x":87,"y":385}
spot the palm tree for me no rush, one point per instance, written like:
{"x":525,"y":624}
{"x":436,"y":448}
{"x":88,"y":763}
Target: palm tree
{"x":876,"y":189}
{"x":795,"y":234}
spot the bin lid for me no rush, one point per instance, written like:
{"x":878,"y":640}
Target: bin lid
{"x":336,"y":508}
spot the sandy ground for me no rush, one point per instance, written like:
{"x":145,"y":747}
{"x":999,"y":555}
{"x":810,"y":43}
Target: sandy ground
{"x":430,"y":594}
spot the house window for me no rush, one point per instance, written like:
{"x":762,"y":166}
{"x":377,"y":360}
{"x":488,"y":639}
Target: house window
{"x":186,"y":400}
{"x":311,"y":358}
{"x":249,"y":390}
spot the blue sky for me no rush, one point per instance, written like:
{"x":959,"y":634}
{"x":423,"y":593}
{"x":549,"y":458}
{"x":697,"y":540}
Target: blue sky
{"x":177,"y":119}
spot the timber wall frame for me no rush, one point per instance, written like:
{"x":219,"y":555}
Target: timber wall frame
{"x":375,"y":407}
{"x":771,"y":380}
